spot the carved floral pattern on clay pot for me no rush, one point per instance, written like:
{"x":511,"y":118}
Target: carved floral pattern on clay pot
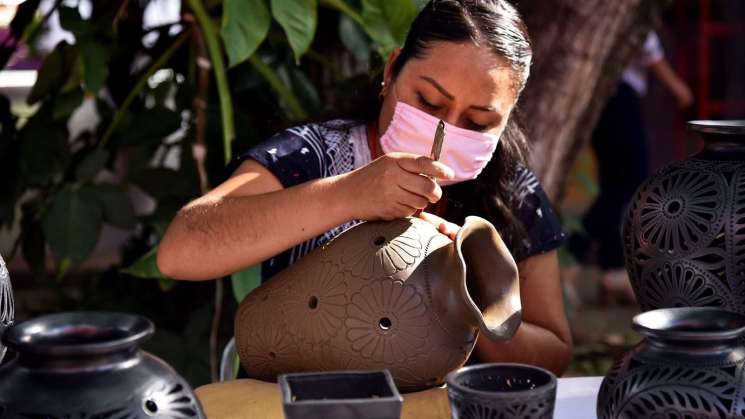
{"x":394,"y":251}
{"x":317,"y":304}
{"x":387,"y":322}
{"x":684,"y":232}
{"x":691,"y":364}
{"x":266,"y":346}
{"x":683,"y":210}
{"x":7,"y":307}
{"x":684,"y":284}
{"x":391,"y":295}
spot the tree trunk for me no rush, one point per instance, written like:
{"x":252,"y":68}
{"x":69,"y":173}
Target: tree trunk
{"x":580,"y":50}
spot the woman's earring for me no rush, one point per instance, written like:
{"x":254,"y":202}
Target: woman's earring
{"x":382,"y":89}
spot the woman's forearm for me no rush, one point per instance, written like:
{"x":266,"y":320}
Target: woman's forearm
{"x":532,"y":345}
{"x":216,"y":236}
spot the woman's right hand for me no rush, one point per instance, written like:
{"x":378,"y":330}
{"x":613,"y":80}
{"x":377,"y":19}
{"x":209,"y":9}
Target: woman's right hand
{"x":393,"y":186}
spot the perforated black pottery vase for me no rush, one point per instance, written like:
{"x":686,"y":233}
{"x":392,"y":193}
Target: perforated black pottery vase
{"x":691,"y":365}
{"x":684,"y":234}
{"x":7,"y":309}
{"x":88,"y":365}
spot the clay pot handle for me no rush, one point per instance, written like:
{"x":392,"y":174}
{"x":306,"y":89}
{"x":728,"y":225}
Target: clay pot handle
{"x":491,"y":286}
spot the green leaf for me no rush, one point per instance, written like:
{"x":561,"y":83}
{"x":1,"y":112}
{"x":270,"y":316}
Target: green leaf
{"x":5,"y":54}
{"x":24,"y":15}
{"x":7,"y":119}
{"x":66,"y":103}
{"x":33,"y":245}
{"x":354,"y":38}
{"x":116,"y":206}
{"x":73,"y":224}
{"x":162,"y":92}
{"x":91,"y":165}
{"x":163,"y":183}
{"x":298,"y":18}
{"x":388,"y":21}
{"x":245,"y":281}
{"x":304,"y":89}
{"x":161,"y":218}
{"x":245,"y":24}
{"x":44,"y":151}
{"x":151,"y":125}
{"x":71,"y":20}
{"x":95,"y":57}
{"x":55,"y":71}
{"x":344,"y":8}
{"x":147,"y":268}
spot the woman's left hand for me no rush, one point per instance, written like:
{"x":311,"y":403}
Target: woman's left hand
{"x":445,"y":227}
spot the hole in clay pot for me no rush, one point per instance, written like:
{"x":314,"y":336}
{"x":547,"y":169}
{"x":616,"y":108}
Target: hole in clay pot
{"x":272,"y":355}
{"x":385,"y":323}
{"x":313,"y":302}
{"x":151,"y":407}
{"x":674,"y":207}
{"x":379,"y":241}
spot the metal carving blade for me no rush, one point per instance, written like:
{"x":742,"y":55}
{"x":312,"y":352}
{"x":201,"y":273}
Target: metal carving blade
{"x":439,"y":139}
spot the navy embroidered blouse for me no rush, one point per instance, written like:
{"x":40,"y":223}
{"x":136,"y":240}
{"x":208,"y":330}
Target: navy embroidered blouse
{"x":318,"y":150}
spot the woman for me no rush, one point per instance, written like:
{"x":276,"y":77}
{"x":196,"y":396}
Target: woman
{"x":464,"y":62}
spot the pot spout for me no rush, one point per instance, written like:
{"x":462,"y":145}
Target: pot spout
{"x":491,"y":284}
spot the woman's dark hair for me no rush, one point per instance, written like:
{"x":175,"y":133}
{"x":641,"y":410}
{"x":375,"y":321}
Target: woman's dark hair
{"x":496,"y":25}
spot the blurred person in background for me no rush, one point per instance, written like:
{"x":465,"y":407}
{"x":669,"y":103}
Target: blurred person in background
{"x":619,"y":143}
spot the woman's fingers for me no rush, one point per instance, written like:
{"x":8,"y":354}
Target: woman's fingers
{"x":412,"y":200}
{"x":422,"y":186}
{"x":425,"y":166}
{"x":445,"y":227}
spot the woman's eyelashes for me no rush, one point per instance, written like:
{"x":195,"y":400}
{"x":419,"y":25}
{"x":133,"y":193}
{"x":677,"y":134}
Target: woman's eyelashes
{"x":477,"y":127}
{"x":427,"y":104}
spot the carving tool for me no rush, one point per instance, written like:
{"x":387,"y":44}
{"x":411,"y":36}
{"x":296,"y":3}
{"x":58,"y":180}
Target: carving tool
{"x":436,"y":149}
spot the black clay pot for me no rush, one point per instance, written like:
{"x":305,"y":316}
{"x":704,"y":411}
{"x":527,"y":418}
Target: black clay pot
{"x":501,"y":391}
{"x":691,"y":365}
{"x":7,"y":309}
{"x":89,"y":365}
{"x":684,"y":234}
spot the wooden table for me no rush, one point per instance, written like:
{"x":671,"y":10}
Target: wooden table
{"x":249,"y":399}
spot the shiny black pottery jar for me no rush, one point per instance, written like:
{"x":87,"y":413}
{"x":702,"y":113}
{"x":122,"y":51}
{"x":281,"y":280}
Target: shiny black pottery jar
{"x":88,"y":365}
{"x":684,"y":233}
{"x":7,"y":309}
{"x":690,"y":365}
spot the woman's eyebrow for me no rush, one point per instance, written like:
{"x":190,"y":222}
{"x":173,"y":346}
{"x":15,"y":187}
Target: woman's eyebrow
{"x":450,"y":96}
{"x":438,"y":86}
{"x":484,"y":108}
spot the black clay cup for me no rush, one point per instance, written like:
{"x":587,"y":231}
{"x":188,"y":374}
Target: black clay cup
{"x":502,"y":391}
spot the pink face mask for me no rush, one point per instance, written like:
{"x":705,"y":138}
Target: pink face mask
{"x":412,"y":131}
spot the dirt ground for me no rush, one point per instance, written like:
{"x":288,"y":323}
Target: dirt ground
{"x":602,"y":332}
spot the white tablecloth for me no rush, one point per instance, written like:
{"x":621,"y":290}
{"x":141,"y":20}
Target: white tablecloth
{"x":576,"y":398}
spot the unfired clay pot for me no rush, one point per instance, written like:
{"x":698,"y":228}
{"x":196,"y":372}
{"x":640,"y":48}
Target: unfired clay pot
{"x":394,"y":295}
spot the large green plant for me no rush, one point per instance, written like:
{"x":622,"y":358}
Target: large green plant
{"x":256,"y":49}
{"x":257,"y":65}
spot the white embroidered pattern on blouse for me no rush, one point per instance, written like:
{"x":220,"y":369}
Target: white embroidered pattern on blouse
{"x":333,"y":144}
